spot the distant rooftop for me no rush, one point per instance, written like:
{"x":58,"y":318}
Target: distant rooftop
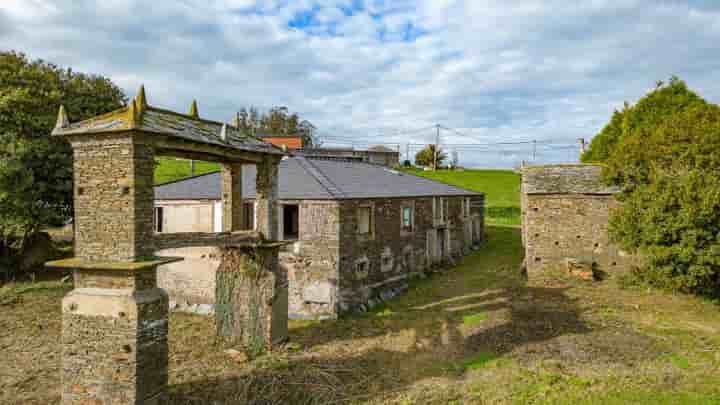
{"x":140,"y":116}
{"x":302,"y":178}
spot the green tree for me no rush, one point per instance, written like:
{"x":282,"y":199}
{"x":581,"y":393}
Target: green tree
{"x":36,"y":169}
{"x":427,"y":155}
{"x":278,"y":121}
{"x":670,"y":211}
{"x":648,"y":113}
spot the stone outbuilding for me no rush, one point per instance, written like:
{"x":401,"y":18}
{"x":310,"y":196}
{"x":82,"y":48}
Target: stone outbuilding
{"x":565,"y":212}
{"x":355,"y":232}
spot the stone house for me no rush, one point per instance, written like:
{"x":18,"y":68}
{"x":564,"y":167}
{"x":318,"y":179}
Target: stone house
{"x":354,"y":232}
{"x":565,"y":212}
{"x":377,"y":155}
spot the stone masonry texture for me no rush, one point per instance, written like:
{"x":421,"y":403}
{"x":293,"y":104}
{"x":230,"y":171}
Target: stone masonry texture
{"x":115,"y":321}
{"x":113,"y":178}
{"x":565,"y":212}
{"x":114,"y":339}
{"x":325,"y":270}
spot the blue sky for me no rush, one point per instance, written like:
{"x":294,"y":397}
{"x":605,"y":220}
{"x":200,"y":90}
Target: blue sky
{"x":373,"y":71}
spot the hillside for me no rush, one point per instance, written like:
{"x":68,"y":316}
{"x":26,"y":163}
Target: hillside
{"x":170,"y":169}
{"x":501,"y":188}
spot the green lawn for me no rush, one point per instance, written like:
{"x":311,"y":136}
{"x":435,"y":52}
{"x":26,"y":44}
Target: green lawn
{"x":501,"y":188}
{"x":478,"y":333}
{"x":171,"y":169}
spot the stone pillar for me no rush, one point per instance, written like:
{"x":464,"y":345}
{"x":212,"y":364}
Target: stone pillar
{"x":114,"y":196}
{"x":232,"y":197}
{"x":266,"y":185}
{"x":114,"y":335}
{"x":251,"y":306}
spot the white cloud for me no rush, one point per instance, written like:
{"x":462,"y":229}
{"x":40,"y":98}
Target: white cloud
{"x":498,"y":71}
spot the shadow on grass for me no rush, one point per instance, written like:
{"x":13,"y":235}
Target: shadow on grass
{"x":346,"y":360}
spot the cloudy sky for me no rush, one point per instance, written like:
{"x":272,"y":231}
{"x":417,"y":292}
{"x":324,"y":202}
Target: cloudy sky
{"x":384,"y":71}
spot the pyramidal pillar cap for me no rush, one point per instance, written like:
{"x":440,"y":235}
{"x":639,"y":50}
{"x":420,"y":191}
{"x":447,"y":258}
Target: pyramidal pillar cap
{"x":132,"y":114}
{"x":223,"y":132}
{"x":62,"y":119}
{"x":194,"y":109}
{"x":141,"y":99}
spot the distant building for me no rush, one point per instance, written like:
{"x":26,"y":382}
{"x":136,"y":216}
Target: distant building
{"x":290,"y":141}
{"x":376,"y":155}
{"x":356,"y":232}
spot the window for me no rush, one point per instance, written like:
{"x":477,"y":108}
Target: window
{"x":290,"y":221}
{"x":364,"y":220}
{"x":249,"y":216}
{"x":407,"y":218}
{"x":158,"y":219}
{"x":440,"y":208}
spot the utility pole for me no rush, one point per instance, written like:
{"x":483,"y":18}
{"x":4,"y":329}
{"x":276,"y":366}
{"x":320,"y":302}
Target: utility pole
{"x":437,"y":144}
{"x":407,"y":152}
{"x":192,"y":168}
{"x":534,"y":150}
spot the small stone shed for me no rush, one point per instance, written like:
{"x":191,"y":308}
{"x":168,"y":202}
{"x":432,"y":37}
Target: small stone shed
{"x":355,"y":233}
{"x":565,"y":211}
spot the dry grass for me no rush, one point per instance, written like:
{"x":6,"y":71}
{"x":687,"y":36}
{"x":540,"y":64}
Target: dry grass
{"x":477,"y":333}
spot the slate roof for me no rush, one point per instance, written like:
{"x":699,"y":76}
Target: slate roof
{"x":155,"y":120}
{"x":565,"y":179}
{"x":300,"y":178}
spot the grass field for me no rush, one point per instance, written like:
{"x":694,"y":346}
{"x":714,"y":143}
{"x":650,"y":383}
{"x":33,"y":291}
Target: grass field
{"x":478,"y":333}
{"x":170,"y":169}
{"x":501,"y":188}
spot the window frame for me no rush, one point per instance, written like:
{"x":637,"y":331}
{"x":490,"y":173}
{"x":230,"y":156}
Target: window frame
{"x":371,"y":220}
{"x":411,"y":227}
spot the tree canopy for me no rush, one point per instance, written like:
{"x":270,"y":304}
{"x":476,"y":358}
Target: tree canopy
{"x":649,"y":112}
{"x":427,"y":155}
{"x":665,"y":158}
{"x":35,"y":169}
{"x":278,"y":120}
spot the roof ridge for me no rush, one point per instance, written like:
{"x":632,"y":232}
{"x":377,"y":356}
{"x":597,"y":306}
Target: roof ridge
{"x":321,"y":178}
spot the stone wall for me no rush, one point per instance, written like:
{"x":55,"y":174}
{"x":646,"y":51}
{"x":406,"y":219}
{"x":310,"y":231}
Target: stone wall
{"x":321,"y":265}
{"x":312,"y":261}
{"x":565,"y":211}
{"x":377,"y":266}
{"x":187,"y":215}
{"x":191,"y":282}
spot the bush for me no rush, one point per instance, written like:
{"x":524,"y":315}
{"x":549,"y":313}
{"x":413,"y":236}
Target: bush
{"x":670,"y":210}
